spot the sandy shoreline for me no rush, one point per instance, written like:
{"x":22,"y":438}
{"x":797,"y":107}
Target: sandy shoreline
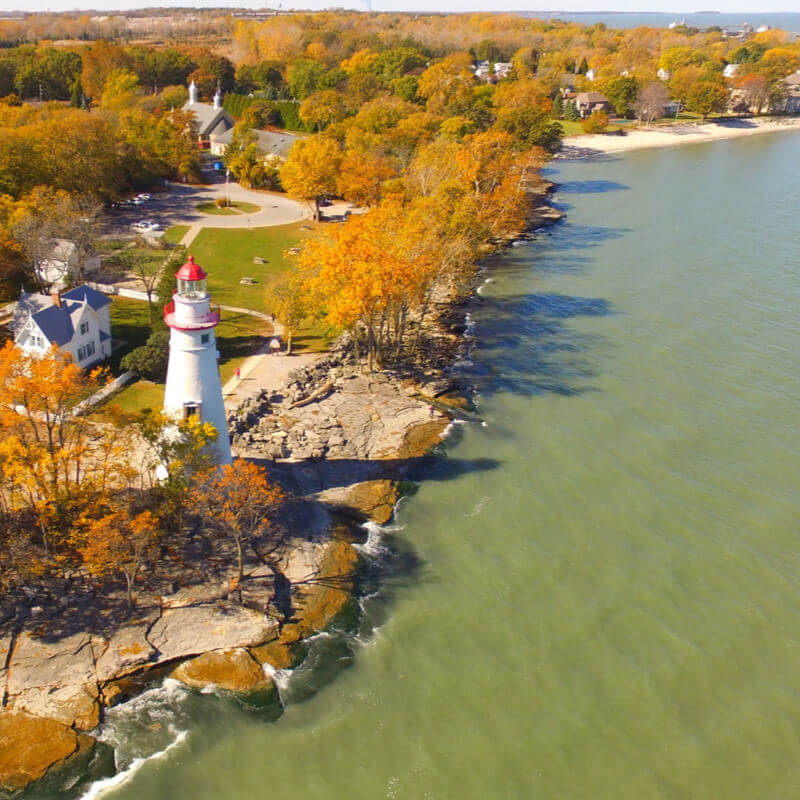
{"x":640,"y":139}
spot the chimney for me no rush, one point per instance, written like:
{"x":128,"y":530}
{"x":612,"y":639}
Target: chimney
{"x":55,"y":296}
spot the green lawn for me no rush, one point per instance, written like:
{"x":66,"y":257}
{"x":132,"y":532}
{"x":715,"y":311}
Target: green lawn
{"x":227,"y":255}
{"x":571,"y":128}
{"x":235,"y":208}
{"x":174,"y":234}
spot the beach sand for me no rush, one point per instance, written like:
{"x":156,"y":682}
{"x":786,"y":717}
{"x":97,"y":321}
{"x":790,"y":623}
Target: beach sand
{"x":643,"y":138}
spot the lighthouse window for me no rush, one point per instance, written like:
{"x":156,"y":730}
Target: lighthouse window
{"x":191,"y":410}
{"x":204,"y":338}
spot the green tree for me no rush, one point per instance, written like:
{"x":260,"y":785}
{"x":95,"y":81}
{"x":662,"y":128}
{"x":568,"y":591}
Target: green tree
{"x":707,"y":97}
{"x":530,"y":126}
{"x":621,"y":92}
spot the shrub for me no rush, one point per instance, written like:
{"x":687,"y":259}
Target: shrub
{"x":596,"y":122}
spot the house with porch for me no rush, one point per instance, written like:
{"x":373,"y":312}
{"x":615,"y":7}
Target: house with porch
{"x":78,"y":322}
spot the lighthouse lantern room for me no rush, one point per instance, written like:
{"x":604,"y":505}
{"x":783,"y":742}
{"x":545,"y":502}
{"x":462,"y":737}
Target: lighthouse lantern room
{"x":193,"y":383}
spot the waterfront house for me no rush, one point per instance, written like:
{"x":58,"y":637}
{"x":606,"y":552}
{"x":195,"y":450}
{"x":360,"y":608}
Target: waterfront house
{"x":77,"y":322}
{"x":587,"y":102}
{"x":792,"y":84}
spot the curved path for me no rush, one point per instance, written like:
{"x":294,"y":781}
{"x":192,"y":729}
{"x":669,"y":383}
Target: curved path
{"x":275,"y":209}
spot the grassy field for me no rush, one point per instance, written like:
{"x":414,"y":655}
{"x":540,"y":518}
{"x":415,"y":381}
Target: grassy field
{"x":174,"y":234}
{"x":234,"y":208}
{"x":227,"y":255}
{"x":571,"y":128}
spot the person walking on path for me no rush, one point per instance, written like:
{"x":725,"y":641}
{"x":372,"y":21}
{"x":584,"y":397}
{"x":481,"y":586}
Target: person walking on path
{"x":238,"y":374}
{"x":274,"y":347}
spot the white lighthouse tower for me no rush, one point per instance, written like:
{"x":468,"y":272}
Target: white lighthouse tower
{"x":193,"y":383}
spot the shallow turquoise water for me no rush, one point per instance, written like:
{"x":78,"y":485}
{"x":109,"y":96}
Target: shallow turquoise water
{"x":596,"y":594}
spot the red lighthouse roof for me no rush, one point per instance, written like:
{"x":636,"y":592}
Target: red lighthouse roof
{"x":191,"y":271}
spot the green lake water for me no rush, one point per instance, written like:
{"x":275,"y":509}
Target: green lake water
{"x":596,"y":593}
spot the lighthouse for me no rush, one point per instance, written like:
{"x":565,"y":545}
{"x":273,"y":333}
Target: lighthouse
{"x":193,"y":383}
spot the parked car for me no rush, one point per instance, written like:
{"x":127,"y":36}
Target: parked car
{"x":135,"y":201}
{"x":144,"y":196}
{"x":324,"y":202}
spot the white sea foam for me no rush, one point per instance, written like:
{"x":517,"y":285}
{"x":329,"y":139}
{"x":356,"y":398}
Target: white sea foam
{"x":470,"y":326}
{"x":280,"y":677}
{"x":479,"y":505}
{"x":99,"y":788}
{"x":374,"y":545}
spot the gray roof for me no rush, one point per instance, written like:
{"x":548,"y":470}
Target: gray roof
{"x":276,"y":142}
{"x":85,"y":293}
{"x":592,"y":98}
{"x":793,"y":80}
{"x":56,"y":323}
{"x":208,"y":119}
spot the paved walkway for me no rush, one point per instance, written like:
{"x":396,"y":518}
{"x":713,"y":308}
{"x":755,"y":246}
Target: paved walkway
{"x":263,"y":371}
{"x":275,"y":209}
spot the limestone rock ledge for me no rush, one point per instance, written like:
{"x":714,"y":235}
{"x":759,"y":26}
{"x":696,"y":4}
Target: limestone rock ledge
{"x":234,"y":670}
{"x":31,"y":746}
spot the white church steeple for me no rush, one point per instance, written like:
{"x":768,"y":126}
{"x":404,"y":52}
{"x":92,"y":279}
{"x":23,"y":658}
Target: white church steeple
{"x":192,"y":93}
{"x":218,"y":98}
{"x":193,"y":383}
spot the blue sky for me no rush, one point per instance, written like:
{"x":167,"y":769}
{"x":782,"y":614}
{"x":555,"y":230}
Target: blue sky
{"x":675,"y":6}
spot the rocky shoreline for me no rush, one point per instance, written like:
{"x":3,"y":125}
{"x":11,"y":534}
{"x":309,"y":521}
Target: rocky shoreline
{"x":338,"y":440}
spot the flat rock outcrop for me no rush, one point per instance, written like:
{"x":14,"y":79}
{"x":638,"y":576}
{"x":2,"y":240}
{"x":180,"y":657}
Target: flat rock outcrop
{"x":192,"y":630}
{"x":55,"y":679}
{"x":234,"y":670}
{"x":31,"y":746}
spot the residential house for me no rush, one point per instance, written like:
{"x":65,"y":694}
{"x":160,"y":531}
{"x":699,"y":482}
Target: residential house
{"x":481,"y":70}
{"x":78,"y":322}
{"x":502,"y":69}
{"x":730,"y":70}
{"x":590,"y":75}
{"x":587,"y":102}
{"x":61,"y":261}
{"x":792,"y":84}
{"x":209,"y":120}
{"x":273,"y":142}
{"x":664,"y":74}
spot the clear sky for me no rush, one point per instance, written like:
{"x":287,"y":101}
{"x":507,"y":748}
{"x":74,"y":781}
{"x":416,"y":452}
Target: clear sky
{"x":752,"y":7}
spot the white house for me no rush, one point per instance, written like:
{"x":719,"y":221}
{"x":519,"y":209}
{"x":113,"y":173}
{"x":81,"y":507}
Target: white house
{"x":590,"y":74}
{"x":61,"y":261}
{"x":664,"y":74}
{"x":77,"y":322}
{"x":730,"y":70}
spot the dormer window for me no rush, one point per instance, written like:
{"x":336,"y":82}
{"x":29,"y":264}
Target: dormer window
{"x":84,"y":327}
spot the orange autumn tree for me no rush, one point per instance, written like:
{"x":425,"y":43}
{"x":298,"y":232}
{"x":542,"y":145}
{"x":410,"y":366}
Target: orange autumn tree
{"x":237,"y":501}
{"x":367,"y":275}
{"x":120,"y":541}
{"x":46,"y":453}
